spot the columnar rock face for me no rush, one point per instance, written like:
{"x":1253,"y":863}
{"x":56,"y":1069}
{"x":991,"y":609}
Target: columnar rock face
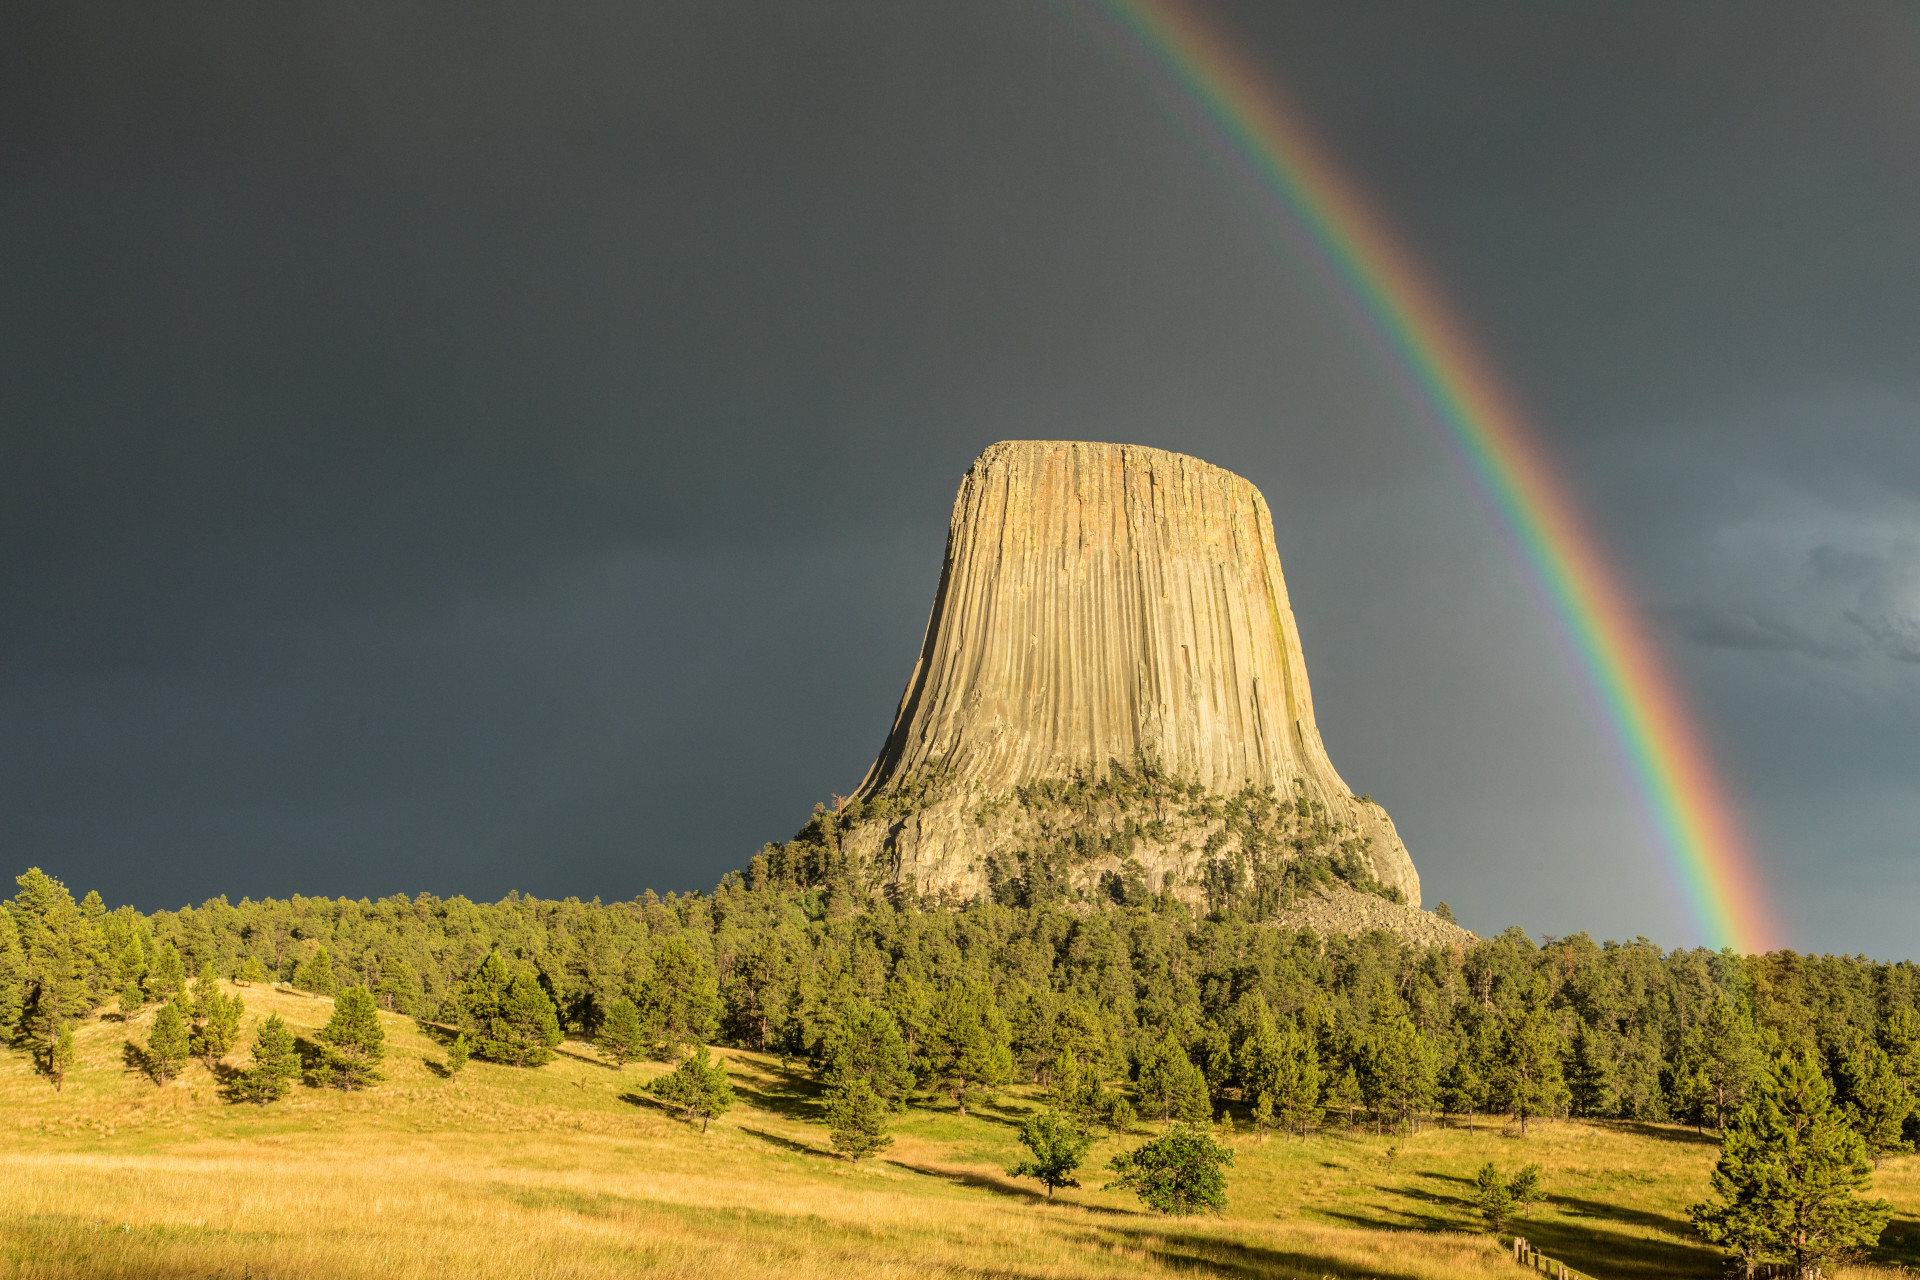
{"x":1103,"y":604}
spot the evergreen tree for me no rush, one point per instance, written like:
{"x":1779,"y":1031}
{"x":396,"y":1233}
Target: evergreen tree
{"x":620,"y":1037}
{"x":1789,"y":1170}
{"x":1899,"y":1036}
{"x":59,"y":948}
{"x":679,"y":1001}
{"x":1400,"y":1069}
{"x":1731,"y":1059}
{"x":1171,"y":1085}
{"x":1529,"y":1080}
{"x":217,"y":1019}
{"x":1178,"y":1173}
{"x":399,"y":987}
{"x":510,"y":1015}
{"x":866,"y":1044}
{"x":167,"y":1041}
{"x":13,"y":977}
{"x":132,"y":1001}
{"x":857,"y":1118}
{"x":1067,"y":1090}
{"x":1057,"y":1144}
{"x":457,"y":1054}
{"x":1491,"y":1196}
{"x":1877,"y":1101}
{"x":250,"y":972}
{"x":1344,"y":1096}
{"x":967,"y":1043}
{"x":354,"y":1038}
{"x":60,"y":1056}
{"x":169,"y":974}
{"x":698,"y":1086}
{"x":45,"y":1016}
{"x":1692,"y":1094}
{"x":276,"y":1065}
{"x":1589,"y":1074}
{"x":315,"y":974}
{"x":1296,"y":1082}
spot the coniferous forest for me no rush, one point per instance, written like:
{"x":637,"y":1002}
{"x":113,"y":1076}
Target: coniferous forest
{"x":1183,"y":1010}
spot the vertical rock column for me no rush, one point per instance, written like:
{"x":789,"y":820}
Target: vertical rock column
{"x":1106,"y":601}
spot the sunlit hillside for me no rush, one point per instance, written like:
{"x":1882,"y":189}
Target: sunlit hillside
{"x":570,"y":1170}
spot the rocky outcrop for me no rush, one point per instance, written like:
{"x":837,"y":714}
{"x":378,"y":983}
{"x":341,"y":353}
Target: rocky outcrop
{"x":1334,"y":912}
{"x":1111,"y":696}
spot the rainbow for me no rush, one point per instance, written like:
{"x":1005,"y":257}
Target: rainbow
{"x":1711,"y":866}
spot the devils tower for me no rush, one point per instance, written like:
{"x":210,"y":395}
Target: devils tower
{"x":1111,"y":696}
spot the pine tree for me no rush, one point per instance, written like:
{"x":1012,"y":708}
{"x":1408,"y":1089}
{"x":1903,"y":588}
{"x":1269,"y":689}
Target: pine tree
{"x":679,"y":1001}
{"x":315,"y":974}
{"x":867,"y":1044}
{"x":967,"y":1043}
{"x":533,"y":1020}
{"x":1344,"y":1096}
{"x":169,"y":974}
{"x":1495,"y":1202}
{"x":44,"y":1018}
{"x":1067,"y":1087}
{"x":1400,"y":1068}
{"x":250,"y":972}
{"x":457,"y":1054}
{"x":13,"y":977}
{"x":218,"y":1024}
{"x":167,"y":1041}
{"x":510,"y":1015}
{"x":399,"y":987}
{"x":1589,"y":1074}
{"x":1171,"y":1085}
{"x":1788,"y":1172}
{"x":1178,"y":1173}
{"x":698,"y":1086}
{"x":60,"y":1056}
{"x":1877,"y":1102}
{"x":1900,"y":1036}
{"x":857,"y":1118}
{"x":354,"y":1038}
{"x":620,"y":1036}
{"x":1296,"y":1082}
{"x":1528,"y":1076}
{"x":132,"y":1001}
{"x":1731,"y":1058}
{"x":276,"y":1065}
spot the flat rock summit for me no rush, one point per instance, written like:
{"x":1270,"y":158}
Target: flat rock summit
{"x":1111,"y":699}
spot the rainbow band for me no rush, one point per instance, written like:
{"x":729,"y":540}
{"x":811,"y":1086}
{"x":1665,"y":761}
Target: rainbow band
{"x":1714,"y":872}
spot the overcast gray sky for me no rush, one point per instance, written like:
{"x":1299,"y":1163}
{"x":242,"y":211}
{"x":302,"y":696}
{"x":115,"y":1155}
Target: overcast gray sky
{"x":456,"y":448}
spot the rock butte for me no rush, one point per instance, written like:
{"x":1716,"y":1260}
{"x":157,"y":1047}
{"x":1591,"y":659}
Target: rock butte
{"x":1101,"y":604}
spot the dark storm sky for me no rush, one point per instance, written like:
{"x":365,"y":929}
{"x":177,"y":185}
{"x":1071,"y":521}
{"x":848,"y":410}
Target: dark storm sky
{"x":464,"y":448}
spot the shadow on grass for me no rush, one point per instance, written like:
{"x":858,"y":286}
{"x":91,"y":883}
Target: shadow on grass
{"x":1215,"y":1256}
{"x":978,"y":1181}
{"x":135,"y":1058}
{"x":1900,"y":1242}
{"x":591,"y":1059}
{"x":435,"y":1068}
{"x":785,"y":1144}
{"x":1660,"y":1132}
{"x":1598,"y":1251}
{"x":795,"y":1096}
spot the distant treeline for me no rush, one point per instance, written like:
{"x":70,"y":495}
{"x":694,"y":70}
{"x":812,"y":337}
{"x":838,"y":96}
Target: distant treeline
{"x":1184,"y":1006}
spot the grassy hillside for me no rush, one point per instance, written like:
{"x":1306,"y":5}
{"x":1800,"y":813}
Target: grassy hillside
{"x":570,"y":1171}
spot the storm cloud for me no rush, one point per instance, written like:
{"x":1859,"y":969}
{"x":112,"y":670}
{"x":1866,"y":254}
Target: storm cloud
{"x":465,"y":449}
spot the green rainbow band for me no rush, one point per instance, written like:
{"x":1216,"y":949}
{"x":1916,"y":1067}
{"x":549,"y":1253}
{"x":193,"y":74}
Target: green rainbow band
{"x":1713,"y":870}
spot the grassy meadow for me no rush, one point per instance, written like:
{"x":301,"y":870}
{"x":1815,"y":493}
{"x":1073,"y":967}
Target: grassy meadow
{"x":570,"y":1171}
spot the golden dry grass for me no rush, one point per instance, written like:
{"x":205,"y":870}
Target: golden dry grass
{"x":568,"y":1172}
